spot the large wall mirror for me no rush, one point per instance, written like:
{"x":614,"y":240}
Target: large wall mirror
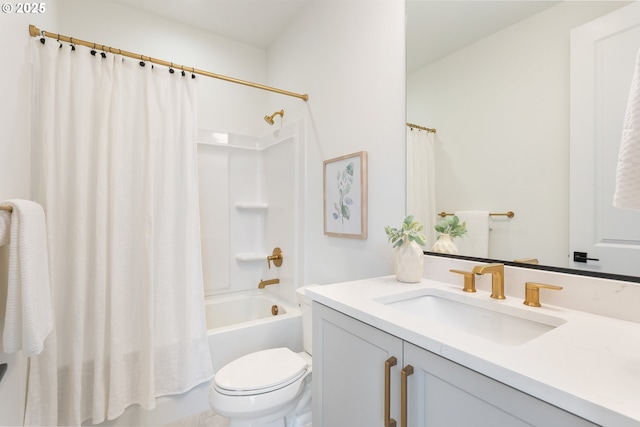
{"x":494,"y":79}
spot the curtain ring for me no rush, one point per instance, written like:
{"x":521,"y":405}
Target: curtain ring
{"x":193,"y":70}
{"x":73,"y":47}
{"x":93,"y":51}
{"x":183,"y":73}
{"x":142,"y":64}
{"x":42,"y":35}
{"x":171,"y":70}
{"x":58,"y":40}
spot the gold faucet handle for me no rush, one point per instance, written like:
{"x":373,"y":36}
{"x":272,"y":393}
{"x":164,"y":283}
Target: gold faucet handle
{"x":276,"y":257}
{"x":469,"y":280}
{"x":488,"y":268}
{"x":532,"y":293}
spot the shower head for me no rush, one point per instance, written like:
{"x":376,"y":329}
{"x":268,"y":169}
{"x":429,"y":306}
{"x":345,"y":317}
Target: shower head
{"x":269,"y":119}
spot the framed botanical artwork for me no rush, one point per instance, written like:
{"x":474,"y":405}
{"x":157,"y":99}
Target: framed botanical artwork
{"x":345,"y":196}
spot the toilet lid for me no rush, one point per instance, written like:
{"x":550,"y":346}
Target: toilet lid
{"x":260,"y":372}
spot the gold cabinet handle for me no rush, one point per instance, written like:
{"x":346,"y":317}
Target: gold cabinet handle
{"x":404,"y":374}
{"x":532,"y":293}
{"x":388,"y":421}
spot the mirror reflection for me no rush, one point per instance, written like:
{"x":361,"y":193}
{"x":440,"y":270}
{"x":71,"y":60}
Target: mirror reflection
{"x":493,"y":78}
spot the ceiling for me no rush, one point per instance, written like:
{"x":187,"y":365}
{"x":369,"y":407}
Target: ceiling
{"x":437,"y":28}
{"x":255,"y":22}
{"x":434,"y":28}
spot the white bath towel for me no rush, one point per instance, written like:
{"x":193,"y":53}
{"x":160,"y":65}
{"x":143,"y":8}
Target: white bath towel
{"x":476,"y":241}
{"x":5,"y":227}
{"x":627,"y":194}
{"x":29,"y":314}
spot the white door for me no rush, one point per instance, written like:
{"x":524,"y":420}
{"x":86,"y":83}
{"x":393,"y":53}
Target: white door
{"x":603,"y":54}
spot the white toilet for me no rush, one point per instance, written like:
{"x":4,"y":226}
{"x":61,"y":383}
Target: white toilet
{"x":268,"y":388}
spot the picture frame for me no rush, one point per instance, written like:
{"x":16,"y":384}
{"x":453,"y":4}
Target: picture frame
{"x":345,"y":196}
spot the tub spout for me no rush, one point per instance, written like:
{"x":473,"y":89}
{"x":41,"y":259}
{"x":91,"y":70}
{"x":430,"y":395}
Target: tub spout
{"x":264,"y":283}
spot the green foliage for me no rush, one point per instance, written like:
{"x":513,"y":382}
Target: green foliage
{"x":452,"y":226}
{"x":343,"y":182}
{"x":409,"y":232}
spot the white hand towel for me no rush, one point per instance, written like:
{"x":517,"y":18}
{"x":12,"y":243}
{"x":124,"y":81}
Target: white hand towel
{"x":29,"y":314}
{"x":5,"y":227}
{"x":476,"y":241}
{"x":627,"y":194}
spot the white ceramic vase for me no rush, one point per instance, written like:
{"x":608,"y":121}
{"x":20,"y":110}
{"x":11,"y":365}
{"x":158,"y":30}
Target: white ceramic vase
{"x":445,"y":245}
{"x":409,"y":262}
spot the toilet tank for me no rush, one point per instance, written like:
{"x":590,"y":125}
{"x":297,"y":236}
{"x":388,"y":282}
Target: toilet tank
{"x":305,"y":306}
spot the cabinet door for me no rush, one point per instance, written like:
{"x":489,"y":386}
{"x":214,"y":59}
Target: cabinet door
{"x":442,"y":393}
{"x":349,"y":371}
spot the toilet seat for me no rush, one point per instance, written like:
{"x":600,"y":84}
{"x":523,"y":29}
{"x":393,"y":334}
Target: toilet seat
{"x":260,"y":372}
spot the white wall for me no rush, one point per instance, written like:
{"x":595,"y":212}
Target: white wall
{"x":349,"y":57}
{"x":501,"y":108}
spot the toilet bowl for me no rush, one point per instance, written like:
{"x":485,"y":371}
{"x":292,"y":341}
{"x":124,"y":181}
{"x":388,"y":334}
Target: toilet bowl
{"x":268,"y":388}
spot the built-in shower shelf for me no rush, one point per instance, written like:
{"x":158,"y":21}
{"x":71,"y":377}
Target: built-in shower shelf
{"x":251,"y":257}
{"x":256,"y":207}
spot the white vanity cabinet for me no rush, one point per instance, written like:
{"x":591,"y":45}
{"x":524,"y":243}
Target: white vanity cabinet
{"x":355,"y":384}
{"x":348,"y":370}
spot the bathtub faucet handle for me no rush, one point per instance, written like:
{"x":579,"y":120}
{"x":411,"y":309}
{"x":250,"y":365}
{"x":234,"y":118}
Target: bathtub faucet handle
{"x":276,"y":257}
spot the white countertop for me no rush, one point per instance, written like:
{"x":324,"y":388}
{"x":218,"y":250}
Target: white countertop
{"x":589,"y":366}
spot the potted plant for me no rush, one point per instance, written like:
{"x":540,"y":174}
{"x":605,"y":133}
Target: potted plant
{"x":407,"y":240}
{"x":449,"y":229}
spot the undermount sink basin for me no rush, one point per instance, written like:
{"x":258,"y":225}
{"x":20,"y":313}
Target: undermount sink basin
{"x":487,"y":319}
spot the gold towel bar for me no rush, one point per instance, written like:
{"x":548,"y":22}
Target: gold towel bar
{"x":509,"y":214}
{"x":6,"y":208}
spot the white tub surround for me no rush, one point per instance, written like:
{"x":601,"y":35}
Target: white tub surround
{"x":588,"y":366}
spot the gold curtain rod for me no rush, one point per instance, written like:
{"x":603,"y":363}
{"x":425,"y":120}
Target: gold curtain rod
{"x":509,"y":214}
{"x":6,"y":208}
{"x":411,"y":125}
{"x":35,"y":31}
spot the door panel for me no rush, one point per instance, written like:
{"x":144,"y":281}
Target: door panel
{"x":603,"y":54}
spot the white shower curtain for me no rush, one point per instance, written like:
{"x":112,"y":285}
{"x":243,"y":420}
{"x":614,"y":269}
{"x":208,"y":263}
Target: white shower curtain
{"x":115,"y":155}
{"x":421,"y":186}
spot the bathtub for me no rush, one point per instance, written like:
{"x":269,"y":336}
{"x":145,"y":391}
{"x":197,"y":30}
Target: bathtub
{"x":243,"y":322}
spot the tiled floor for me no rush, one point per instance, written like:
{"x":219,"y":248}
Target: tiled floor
{"x":204,"y":419}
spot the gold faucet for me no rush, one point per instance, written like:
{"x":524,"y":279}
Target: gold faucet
{"x":264,"y":283}
{"x":497,"y":278}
